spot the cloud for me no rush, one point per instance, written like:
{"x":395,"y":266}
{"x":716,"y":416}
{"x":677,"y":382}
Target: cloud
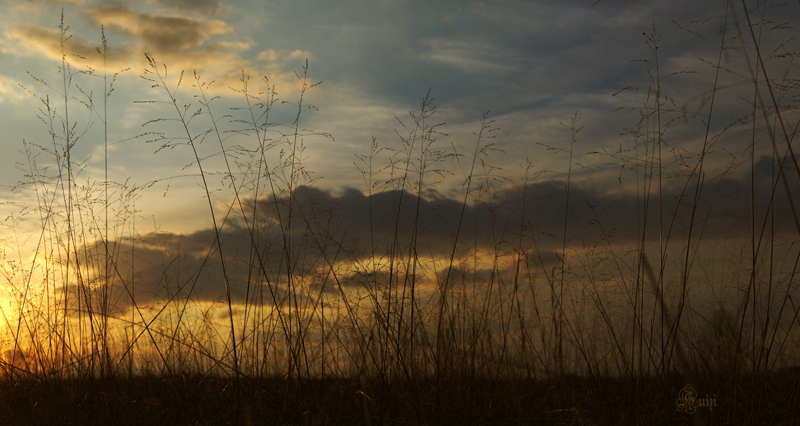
{"x":174,"y":267}
{"x":38,"y":39}
{"x":468,"y":55}
{"x":159,"y":33}
{"x":595,"y":197}
{"x":344,"y":241}
{"x":180,"y":42}
{"x":75,"y":2}
{"x":282,"y":56}
{"x":37,"y":6}
{"x":206,"y":7}
{"x":397,"y":220}
{"x":9,"y":89}
{"x":223,"y":46}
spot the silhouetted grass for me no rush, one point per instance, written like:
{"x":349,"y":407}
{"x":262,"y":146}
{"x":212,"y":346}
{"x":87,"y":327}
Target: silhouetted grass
{"x":521,"y":301}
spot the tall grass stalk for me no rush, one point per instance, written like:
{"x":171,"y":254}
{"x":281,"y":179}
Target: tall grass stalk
{"x":522,"y":299}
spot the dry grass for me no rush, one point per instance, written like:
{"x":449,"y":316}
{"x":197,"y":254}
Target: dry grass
{"x":523,"y":306}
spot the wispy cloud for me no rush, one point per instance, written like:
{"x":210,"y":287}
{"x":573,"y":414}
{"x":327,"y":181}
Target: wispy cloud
{"x":160,"y":33}
{"x":206,"y":7}
{"x":75,"y":2}
{"x":180,"y":42}
{"x":469,"y":55}
{"x":37,"y":39}
{"x":9,"y":89}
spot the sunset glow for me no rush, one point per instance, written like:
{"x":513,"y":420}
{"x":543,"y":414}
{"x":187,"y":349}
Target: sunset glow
{"x":401,"y":193}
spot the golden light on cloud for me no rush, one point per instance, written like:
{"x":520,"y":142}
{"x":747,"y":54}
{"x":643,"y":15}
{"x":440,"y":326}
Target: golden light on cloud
{"x":39,"y":39}
{"x":182,"y":43}
{"x":9,"y":89}
{"x":75,"y":2}
{"x":271,"y":55}
{"x":231,"y":45}
{"x":36,"y":6}
{"x":440,"y":220}
{"x":206,"y":7}
{"x":159,"y":33}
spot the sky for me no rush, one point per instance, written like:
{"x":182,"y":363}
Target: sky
{"x":531,"y":64}
{"x":565,"y":85}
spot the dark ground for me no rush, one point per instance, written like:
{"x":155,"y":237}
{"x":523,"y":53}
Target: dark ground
{"x":195,"y":400}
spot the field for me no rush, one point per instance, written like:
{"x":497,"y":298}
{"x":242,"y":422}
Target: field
{"x":444,"y":290}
